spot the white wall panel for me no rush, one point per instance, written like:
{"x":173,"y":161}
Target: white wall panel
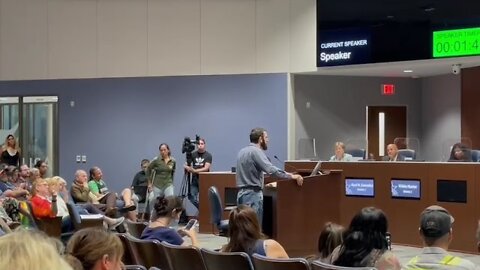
{"x":72,"y":38}
{"x":173,"y":37}
{"x":228,"y":36}
{"x":302,"y":35}
{"x":272,"y":35}
{"x":122,"y":38}
{"x":23,"y":30}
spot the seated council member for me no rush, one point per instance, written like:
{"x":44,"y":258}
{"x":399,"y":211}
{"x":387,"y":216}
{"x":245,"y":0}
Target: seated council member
{"x":340,"y":154}
{"x":392,"y":154}
{"x":460,"y":153}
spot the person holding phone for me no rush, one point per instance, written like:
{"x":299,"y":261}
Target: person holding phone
{"x":165,"y":211}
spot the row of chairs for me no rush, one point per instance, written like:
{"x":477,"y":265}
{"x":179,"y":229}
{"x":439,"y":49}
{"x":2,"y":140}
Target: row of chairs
{"x":52,"y":226}
{"x":165,"y":256}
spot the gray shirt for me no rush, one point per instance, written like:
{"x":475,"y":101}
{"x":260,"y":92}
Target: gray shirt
{"x":438,"y":258}
{"x":251,"y":164}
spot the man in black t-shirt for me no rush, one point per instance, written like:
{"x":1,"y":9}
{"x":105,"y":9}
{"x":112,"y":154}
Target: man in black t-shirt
{"x":202,"y":160}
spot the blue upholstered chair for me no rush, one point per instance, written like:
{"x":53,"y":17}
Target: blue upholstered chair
{"x":475,"y":155}
{"x":216,"y":211}
{"x":409,"y":154}
{"x":358,"y":154}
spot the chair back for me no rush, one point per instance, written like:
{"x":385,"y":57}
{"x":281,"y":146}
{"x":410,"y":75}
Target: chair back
{"x":128,"y":254}
{"x":134,"y":267}
{"x":215,"y":260}
{"x":475,"y":155}
{"x":51,"y":226}
{"x":184,"y":257}
{"x":148,"y":253}
{"x":409,"y":154}
{"x":79,"y":223}
{"x":135,"y":228}
{"x":356,"y":153}
{"x":216,"y":208}
{"x":263,"y":263}
{"x":74,"y":216}
{"x":318,"y":265}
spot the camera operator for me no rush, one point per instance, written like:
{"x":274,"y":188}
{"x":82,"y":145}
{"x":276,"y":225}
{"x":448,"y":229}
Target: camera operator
{"x":201,"y":162}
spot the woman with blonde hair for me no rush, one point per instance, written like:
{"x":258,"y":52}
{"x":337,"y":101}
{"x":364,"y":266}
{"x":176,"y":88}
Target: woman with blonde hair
{"x":95,"y":249}
{"x":54,"y":185}
{"x":340,"y":154}
{"x":30,"y":250}
{"x":10,"y":152}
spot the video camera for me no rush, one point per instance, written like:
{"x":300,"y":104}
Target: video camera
{"x":188,"y":147}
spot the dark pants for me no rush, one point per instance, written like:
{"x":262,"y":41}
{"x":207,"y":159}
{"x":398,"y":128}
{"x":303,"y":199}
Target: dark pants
{"x":110,"y":200}
{"x":193,"y":192}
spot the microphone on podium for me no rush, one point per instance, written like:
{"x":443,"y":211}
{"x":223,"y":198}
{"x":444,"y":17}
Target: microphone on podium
{"x":286,"y":164}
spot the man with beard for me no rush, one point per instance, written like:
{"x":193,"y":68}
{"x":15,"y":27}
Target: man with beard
{"x":251,"y":164}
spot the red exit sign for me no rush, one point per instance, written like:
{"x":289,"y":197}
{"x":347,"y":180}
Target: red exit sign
{"x":388,"y":89}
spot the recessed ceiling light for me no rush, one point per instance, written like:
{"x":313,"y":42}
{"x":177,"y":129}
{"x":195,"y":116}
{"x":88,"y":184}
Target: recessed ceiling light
{"x":408,"y":71}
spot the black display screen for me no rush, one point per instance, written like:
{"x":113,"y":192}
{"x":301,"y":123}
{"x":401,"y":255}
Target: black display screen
{"x":395,"y":30}
{"x":452,"y":191}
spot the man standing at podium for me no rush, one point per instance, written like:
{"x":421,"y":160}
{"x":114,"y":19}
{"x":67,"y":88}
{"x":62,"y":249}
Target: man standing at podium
{"x":251,"y":164}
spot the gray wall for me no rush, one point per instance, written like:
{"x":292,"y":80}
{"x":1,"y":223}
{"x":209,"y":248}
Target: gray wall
{"x":117,"y":122}
{"x":338,"y":107}
{"x":441,"y":121}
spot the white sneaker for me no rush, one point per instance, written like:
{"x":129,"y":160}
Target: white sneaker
{"x":116,"y":223}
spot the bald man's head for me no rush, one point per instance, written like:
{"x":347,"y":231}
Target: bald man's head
{"x":392,"y":151}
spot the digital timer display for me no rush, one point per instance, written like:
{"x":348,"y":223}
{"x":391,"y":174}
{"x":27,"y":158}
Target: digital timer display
{"x":459,"y":42}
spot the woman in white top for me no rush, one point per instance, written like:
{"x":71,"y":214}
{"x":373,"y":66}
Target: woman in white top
{"x":340,"y":154}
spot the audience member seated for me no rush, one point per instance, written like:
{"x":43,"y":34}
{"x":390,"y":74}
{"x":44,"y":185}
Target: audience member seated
{"x":42,"y":167}
{"x":365,"y":244}
{"x":436,"y":234}
{"x":83,"y":209}
{"x":330,"y":237}
{"x":245,"y":235}
{"x":30,"y":250}
{"x":140,"y":181}
{"x":99,"y":188}
{"x":7,"y":188}
{"x":165,"y":211}
{"x":94,"y":249}
{"x":340,"y":154}
{"x":460,"y":153}
{"x":24,"y":177}
{"x":392,"y":154}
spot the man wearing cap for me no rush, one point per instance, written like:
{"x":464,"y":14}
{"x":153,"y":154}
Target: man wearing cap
{"x":436,"y":233}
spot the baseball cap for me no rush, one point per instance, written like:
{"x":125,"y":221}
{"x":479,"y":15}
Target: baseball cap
{"x":435,"y":221}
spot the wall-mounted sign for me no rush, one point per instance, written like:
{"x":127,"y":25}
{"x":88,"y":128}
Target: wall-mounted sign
{"x":459,"y":42}
{"x":345,"y":47}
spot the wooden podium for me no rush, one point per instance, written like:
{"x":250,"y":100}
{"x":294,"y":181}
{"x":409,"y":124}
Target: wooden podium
{"x":298,"y":214}
{"x":293,"y":215}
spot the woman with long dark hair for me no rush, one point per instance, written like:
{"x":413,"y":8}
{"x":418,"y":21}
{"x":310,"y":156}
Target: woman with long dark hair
{"x":461,"y":153}
{"x":365,"y":242}
{"x":245,"y":235}
{"x":166,"y":210}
